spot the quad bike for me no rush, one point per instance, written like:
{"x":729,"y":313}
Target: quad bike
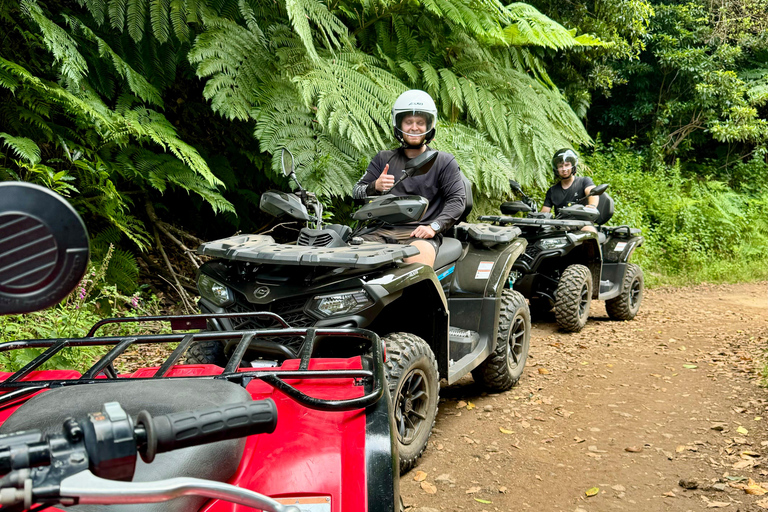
{"x":314,"y":433}
{"x":562,"y":263}
{"x":332,"y":278}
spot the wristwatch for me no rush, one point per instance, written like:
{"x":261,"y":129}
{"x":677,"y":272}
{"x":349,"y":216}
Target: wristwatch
{"x":435,"y":226}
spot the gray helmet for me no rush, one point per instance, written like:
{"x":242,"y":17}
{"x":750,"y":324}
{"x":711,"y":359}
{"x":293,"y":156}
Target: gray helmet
{"x":414,"y":102}
{"x":565,"y":155}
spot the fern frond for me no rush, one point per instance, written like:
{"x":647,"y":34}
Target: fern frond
{"x":531,"y":28}
{"x":23,"y":147}
{"x":58,"y":42}
{"x":137,"y":19}
{"x":301,"y":12}
{"x":117,"y":11}
{"x":159,"y":13}
{"x":136,"y":82}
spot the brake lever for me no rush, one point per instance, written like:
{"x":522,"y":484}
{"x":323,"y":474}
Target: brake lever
{"x":87,"y":488}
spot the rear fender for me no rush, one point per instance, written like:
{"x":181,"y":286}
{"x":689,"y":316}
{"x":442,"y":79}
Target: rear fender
{"x":483,"y":272}
{"x":481,"y":276}
{"x":619,"y":250}
{"x":413,"y":301}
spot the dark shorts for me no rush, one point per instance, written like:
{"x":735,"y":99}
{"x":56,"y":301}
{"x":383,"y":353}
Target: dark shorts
{"x":400,"y":235}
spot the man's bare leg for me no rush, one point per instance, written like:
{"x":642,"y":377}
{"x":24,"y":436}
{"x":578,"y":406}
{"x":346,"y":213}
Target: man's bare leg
{"x":426,"y":253}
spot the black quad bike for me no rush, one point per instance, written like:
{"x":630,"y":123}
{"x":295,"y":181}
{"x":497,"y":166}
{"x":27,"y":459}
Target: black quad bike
{"x":566,"y":267}
{"x":445,"y":322}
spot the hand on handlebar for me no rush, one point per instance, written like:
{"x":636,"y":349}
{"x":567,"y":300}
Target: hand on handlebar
{"x":385,"y":181}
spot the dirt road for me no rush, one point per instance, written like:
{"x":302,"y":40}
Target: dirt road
{"x":630,"y":412}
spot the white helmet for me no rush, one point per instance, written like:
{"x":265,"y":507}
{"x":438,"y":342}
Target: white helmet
{"x":414,"y":102}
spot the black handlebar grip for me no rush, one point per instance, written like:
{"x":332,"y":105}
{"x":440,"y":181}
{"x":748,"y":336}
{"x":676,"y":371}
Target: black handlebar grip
{"x":191,"y":428}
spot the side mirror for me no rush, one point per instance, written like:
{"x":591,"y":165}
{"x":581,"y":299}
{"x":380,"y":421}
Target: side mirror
{"x":280,"y":203}
{"x":43,"y":248}
{"x":421,"y":164}
{"x":286,"y":162}
{"x":515,"y":186}
{"x":599,"y":189}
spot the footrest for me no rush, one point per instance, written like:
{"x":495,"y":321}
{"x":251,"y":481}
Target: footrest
{"x":463,"y":342}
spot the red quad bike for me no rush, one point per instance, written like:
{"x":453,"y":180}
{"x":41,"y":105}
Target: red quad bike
{"x":311,"y":435}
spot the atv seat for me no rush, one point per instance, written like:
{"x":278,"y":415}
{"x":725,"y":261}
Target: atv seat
{"x":450,"y":251}
{"x":605,"y":207}
{"x":216,"y":461}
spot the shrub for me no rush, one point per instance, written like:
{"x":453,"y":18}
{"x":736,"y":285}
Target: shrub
{"x":695,"y":228}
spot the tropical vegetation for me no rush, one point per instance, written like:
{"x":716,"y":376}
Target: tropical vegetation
{"x":161,"y":120}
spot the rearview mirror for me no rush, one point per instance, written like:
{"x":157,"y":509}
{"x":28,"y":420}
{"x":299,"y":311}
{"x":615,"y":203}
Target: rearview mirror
{"x":43,"y":248}
{"x":286,"y":161}
{"x":421,"y":164}
{"x":599,"y":189}
{"x":515,"y":186}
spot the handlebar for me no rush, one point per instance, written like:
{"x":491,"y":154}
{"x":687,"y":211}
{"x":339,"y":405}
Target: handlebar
{"x":183,"y":429}
{"x":105,"y":445}
{"x":109,"y":436}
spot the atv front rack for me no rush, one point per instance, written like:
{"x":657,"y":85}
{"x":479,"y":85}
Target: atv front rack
{"x":16,"y":389}
{"x":263,"y":250}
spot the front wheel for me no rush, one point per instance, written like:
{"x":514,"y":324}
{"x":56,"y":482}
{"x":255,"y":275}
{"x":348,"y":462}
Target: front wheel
{"x":573,"y":298}
{"x":414,"y":385}
{"x":627,"y":304}
{"x":503,"y":368}
{"x":206,"y":352}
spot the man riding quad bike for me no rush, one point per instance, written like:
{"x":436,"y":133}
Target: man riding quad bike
{"x":574,"y":258}
{"x":457,"y":318}
{"x":313,"y":433}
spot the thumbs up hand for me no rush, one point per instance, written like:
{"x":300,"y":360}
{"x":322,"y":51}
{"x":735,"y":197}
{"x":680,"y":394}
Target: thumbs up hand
{"x":385,"y":181}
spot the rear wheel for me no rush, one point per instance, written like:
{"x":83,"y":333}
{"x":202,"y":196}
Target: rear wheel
{"x":503,"y":368}
{"x":573,"y":298}
{"x":627,"y":304}
{"x":414,"y":385}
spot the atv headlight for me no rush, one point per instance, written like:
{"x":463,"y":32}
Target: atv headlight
{"x":214,"y":291}
{"x":553,"y":243}
{"x":340,"y":304}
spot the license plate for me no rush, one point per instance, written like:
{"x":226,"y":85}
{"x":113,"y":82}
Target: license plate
{"x":308,"y":504}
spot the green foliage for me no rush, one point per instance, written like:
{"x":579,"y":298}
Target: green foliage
{"x":105,"y":91}
{"x":695,"y":229}
{"x":699,"y":90}
{"x":93,"y":299}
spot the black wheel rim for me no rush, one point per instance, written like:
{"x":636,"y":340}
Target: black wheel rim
{"x":635,"y":293}
{"x":411,"y":407}
{"x":583,"y":300}
{"x":516,"y":345}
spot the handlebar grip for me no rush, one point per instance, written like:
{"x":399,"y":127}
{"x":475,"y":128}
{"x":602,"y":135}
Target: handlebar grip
{"x":191,"y":428}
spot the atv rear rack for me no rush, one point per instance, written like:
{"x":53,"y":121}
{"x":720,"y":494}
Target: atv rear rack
{"x":525,"y":221}
{"x":102,"y":371}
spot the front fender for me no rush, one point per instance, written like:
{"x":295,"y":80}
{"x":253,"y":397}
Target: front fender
{"x":412,"y":301}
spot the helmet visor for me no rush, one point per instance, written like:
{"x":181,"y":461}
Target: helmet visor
{"x":414,"y":122}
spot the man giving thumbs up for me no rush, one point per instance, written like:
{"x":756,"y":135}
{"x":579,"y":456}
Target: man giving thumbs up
{"x":414,"y":117}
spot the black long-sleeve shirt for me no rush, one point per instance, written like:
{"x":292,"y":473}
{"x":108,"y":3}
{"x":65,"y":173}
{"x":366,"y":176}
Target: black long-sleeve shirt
{"x":442,"y":185}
